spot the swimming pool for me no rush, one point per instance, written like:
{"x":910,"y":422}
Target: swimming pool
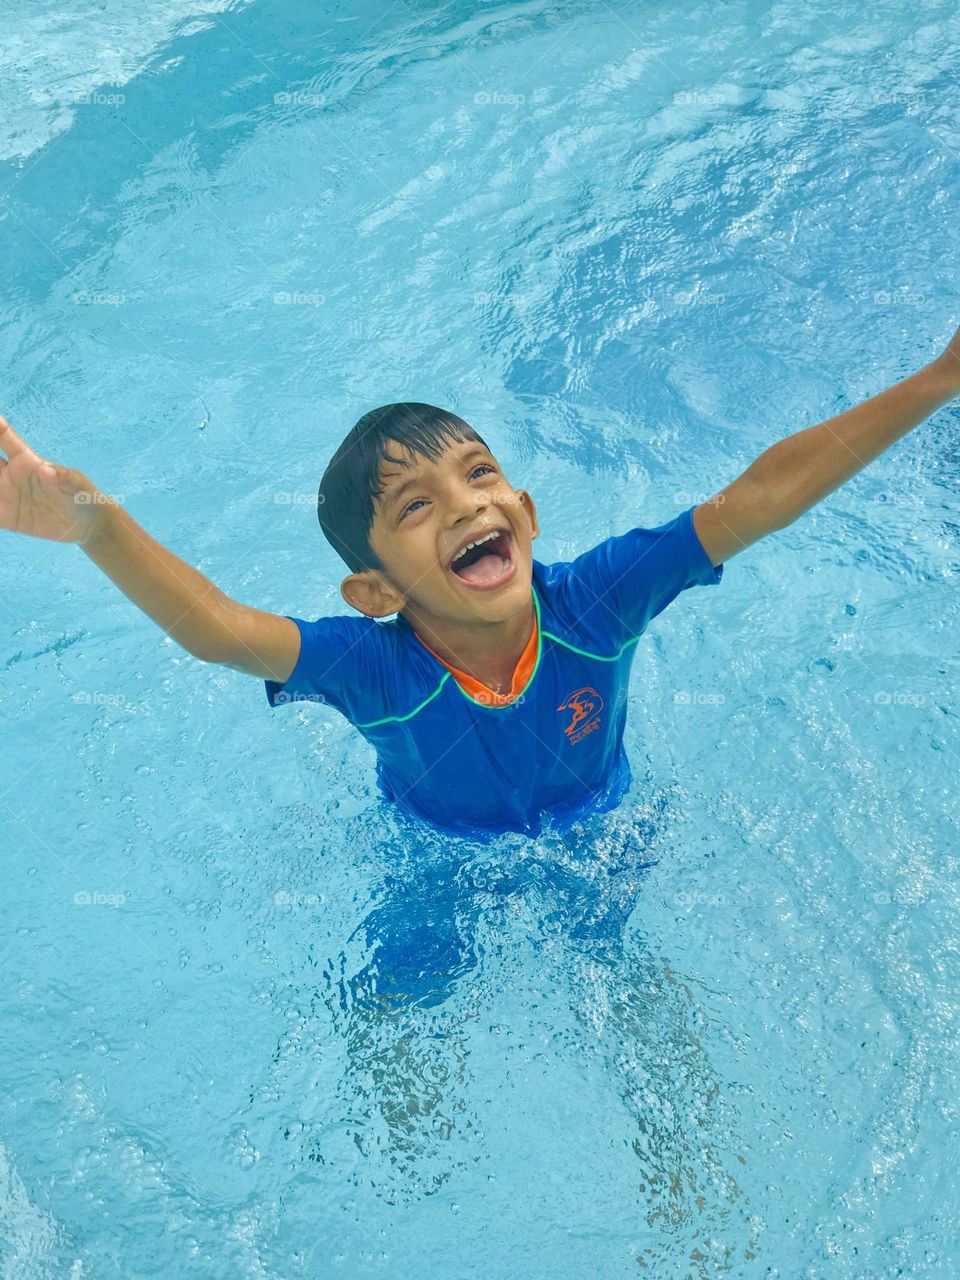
{"x":254,"y":1025}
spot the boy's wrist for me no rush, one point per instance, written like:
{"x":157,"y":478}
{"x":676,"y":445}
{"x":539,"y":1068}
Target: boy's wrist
{"x":100,"y":523}
{"x":944,"y":372}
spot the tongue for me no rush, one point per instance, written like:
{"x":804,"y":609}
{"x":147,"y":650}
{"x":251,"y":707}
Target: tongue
{"x":486,"y":569}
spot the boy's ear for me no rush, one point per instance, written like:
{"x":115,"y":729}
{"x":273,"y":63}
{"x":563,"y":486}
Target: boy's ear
{"x":531,"y":509}
{"x":371,"y":594}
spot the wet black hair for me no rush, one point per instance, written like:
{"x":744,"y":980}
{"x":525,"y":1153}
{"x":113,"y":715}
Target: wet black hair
{"x":351,"y":484}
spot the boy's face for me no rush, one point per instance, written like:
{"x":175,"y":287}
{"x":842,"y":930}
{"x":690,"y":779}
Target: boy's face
{"x":427,"y":514}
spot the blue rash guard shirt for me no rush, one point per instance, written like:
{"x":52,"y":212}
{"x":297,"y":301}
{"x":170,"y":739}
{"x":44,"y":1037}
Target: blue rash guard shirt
{"x":472,"y":768}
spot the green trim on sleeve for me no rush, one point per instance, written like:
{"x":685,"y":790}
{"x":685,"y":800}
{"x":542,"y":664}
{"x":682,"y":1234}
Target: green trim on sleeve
{"x":370,"y":724}
{"x":597,"y":657}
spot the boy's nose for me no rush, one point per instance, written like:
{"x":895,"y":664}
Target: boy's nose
{"x":466,"y":502}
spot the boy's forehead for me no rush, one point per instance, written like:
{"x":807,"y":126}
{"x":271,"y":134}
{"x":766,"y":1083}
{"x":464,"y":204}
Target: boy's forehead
{"x":401,"y":461}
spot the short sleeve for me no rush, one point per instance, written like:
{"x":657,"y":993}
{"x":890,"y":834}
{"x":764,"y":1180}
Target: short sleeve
{"x":342,"y":662}
{"x":619,"y":586}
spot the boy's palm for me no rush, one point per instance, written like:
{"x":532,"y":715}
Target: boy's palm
{"x":38,"y":498}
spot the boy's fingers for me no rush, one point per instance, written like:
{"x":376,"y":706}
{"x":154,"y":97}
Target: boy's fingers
{"x":10,"y":442}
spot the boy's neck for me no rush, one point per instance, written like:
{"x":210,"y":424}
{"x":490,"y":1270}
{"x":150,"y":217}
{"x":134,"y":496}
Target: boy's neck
{"x":488,"y":651}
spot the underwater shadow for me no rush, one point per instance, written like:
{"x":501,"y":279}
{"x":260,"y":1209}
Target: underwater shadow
{"x":404,"y":1010}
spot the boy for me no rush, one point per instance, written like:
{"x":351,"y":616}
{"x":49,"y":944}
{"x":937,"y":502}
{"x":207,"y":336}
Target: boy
{"x":497,"y":696}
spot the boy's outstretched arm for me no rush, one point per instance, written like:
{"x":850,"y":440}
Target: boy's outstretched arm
{"x":797,"y":472}
{"x":47,"y":501}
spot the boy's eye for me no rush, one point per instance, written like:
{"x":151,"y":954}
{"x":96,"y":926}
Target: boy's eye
{"x":411,"y":506}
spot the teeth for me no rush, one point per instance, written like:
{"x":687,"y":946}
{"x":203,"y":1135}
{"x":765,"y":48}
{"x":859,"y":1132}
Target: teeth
{"x":495,"y":533}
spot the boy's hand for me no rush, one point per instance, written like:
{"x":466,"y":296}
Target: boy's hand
{"x":53,"y":502}
{"x":40,"y":499}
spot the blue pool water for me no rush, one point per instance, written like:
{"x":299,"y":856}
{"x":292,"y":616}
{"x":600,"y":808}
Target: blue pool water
{"x":252,"y":1025}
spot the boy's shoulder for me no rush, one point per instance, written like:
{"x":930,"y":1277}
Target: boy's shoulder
{"x":370,"y":669}
{"x":574,"y":601}
{"x":610,"y":592}
{"x":351,"y":662}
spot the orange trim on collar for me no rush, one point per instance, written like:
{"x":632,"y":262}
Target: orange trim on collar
{"x":483,"y":693}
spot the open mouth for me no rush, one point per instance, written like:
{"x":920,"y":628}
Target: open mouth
{"x":486,"y":563}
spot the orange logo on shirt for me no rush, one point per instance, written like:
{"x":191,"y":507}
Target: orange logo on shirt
{"x":585,"y":705}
